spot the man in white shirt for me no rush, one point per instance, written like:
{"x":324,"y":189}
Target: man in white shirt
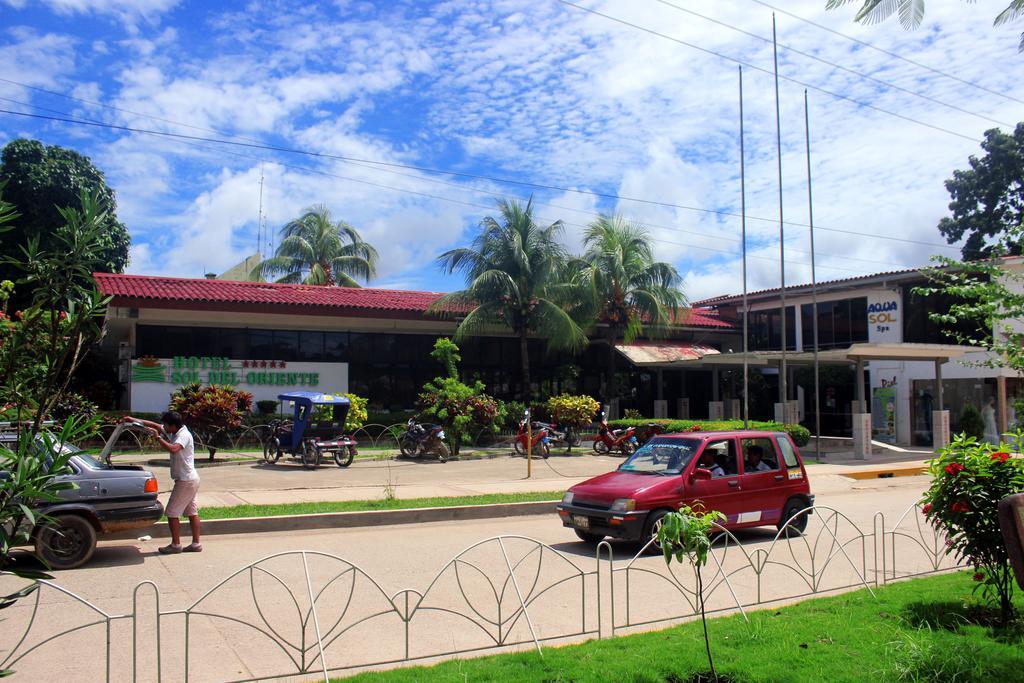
{"x":174,"y":437}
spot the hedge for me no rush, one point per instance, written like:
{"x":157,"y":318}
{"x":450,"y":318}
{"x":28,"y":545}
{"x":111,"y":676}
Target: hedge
{"x":800,"y":434}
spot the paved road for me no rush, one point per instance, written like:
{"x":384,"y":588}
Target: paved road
{"x":397,"y":557}
{"x":263,"y":484}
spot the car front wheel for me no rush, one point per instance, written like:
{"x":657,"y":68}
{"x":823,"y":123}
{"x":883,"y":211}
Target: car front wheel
{"x":588,"y":537}
{"x":654,"y":522}
{"x":65,"y":542}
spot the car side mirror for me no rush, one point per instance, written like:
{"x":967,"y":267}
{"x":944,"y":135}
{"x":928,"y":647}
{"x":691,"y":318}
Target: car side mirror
{"x":700,"y":474}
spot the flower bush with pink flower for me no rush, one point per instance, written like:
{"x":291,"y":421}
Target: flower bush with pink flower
{"x":969,"y":478}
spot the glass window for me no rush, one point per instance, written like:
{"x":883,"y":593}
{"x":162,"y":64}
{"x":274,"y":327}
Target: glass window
{"x":859,"y":320}
{"x":759,"y":455}
{"x":720,"y":458}
{"x":286,"y":344}
{"x":311,"y":346}
{"x":788,"y":453}
{"x":261,"y":345}
{"x":335,"y":347}
{"x":231,"y":343}
{"x":766,"y":329}
{"x":662,"y":455}
{"x":177,"y":341}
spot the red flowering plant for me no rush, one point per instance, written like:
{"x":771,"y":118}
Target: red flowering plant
{"x":211,"y":411}
{"x":969,"y":478}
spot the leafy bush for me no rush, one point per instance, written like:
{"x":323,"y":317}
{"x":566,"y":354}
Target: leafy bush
{"x":969,"y":479}
{"x":463,"y":410}
{"x":357,"y":413}
{"x":210,"y":410}
{"x":971,"y":422}
{"x":632,"y":414}
{"x":800,"y":434}
{"x":74,"y":405}
{"x":356,"y":417}
{"x":266,"y":407}
{"x":512,"y":412}
{"x":573,"y":411}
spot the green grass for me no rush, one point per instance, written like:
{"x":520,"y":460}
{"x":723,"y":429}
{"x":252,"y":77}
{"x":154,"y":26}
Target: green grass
{"x":915,"y":630}
{"x":235,"y":511}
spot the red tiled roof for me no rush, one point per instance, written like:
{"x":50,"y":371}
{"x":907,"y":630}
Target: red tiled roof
{"x":202,"y":290}
{"x":137,"y":290}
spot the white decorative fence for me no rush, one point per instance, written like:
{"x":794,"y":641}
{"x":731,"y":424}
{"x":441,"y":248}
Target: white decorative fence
{"x":307,"y":613}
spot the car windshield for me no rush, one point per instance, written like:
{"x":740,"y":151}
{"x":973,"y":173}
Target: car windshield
{"x":70,"y":449}
{"x":662,"y":456}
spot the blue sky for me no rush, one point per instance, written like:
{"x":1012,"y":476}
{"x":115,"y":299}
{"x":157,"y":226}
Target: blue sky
{"x":536,"y":91}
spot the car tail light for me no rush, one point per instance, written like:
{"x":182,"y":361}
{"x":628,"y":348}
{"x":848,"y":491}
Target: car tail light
{"x":151,"y":485}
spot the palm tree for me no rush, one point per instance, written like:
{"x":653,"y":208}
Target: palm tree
{"x":315,"y":250}
{"x":515,"y":277}
{"x":911,"y":12}
{"x":630,"y":293}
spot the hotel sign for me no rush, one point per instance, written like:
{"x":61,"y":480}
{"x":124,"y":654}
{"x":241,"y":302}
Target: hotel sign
{"x":219,"y":370}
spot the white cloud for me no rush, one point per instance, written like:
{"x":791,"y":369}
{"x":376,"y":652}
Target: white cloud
{"x":537,"y":92}
{"x":129,"y":12}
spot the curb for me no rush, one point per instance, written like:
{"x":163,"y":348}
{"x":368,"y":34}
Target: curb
{"x":346,"y":520}
{"x":886,"y":473}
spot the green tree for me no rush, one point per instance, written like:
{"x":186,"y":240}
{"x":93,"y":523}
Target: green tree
{"x":515,"y":277}
{"x":631,"y":293}
{"x":988,"y":198}
{"x":911,"y":12}
{"x":686,"y":536}
{"x":463,"y":410}
{"x":988,"y":294}
{"x":42,"y":180}
{"x":44,"y":343}
{"x":317,"y":250}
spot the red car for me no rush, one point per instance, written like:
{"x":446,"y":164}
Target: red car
{"x":753,"y":478}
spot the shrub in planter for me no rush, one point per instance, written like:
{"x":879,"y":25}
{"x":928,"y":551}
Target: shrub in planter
{"x":267,"y":407}
{"x":971,"y":422}
{"x":464,"y":410}
{"x":573,"y":411}
{"x":209,"y":411}
{"x":969,"y":480}
{"x":801,"y":435}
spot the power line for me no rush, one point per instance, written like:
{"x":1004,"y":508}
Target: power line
{"x":485,"y":207}
{"x":835,"y":65}
{"x":895,"y":55}
{"x":425,"y":169}
{"x":199,"y":144}
{"x":754,"y":67}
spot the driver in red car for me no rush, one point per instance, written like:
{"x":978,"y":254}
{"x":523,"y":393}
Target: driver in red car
{"x":707,"y":461}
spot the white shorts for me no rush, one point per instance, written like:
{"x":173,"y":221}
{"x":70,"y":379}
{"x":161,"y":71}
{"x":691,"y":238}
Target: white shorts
{"x":182,"y":502}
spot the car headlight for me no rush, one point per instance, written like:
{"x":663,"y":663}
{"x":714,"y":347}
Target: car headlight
{"x":623,"y":505}
{"x":567,"y":498}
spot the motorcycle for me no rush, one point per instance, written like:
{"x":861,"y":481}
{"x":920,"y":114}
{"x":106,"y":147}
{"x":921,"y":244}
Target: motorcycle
{"x":419,"y":439}
{"x":568,"y":436}
{"x":608,"y":439}
{"x":539,"y":440}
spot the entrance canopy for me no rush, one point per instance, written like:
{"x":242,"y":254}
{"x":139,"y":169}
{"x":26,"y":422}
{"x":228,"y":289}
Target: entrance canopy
{"x":851,"y":354}
{"x":663,"y":354}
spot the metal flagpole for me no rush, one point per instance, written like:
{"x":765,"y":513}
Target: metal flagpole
{"x":784,"y":394}
{"x":743,"y":223}
{"x":814,"y":286}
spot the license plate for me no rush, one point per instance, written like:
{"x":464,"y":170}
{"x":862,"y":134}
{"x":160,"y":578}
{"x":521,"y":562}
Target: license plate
{"x":581,"y":521}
